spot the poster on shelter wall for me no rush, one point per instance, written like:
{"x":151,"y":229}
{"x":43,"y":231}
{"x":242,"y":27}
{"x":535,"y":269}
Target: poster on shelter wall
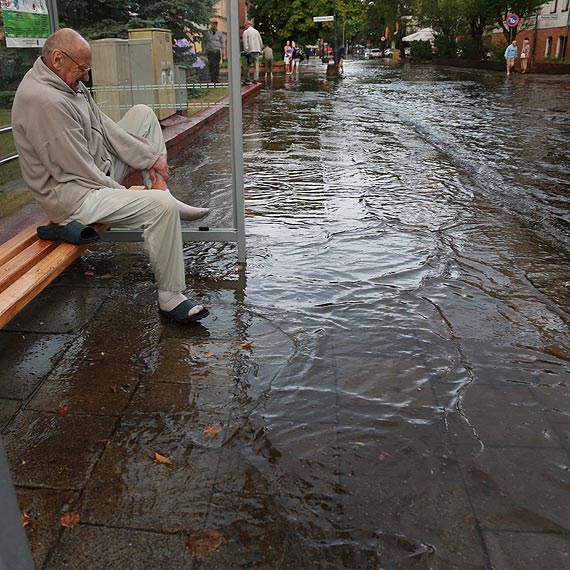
{"x":26,"y":22}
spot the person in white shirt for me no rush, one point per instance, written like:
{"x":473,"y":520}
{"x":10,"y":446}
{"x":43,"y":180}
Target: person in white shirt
{"x":252,"y":46}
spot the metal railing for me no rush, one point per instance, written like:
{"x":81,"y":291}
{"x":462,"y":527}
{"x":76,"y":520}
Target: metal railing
{"x":11,"y":157}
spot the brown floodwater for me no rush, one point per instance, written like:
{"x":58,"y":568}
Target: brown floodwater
{"x":407,"y":293}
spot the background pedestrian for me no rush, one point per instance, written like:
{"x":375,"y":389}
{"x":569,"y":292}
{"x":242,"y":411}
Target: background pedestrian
{"x":511,"y":55}
{"x":214,"y":43}
{"x":267,"y":54}
{"x":525,"y":55}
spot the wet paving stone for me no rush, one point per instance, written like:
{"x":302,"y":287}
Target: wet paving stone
{"x":527,"y":550}
{"x":44,"y":507}
{"x":59,"y":310}
{"x":194,"y":361}
{"x":421,"y":519}
{"x":131,"y":488}
{"x":502,"y":416}
{"x":271,"y":530}
{"x":56,"y":450}
{"x":498,"y":481}
{"x":27,"y":359}
{"x":182,"y":397}
{"x":100,"y":548}
{"x":8,"y":410}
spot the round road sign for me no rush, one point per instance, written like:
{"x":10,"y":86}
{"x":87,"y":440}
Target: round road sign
{"x":512,"y":20}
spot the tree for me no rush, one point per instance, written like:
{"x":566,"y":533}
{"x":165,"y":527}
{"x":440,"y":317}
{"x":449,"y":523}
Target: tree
{"x":107,"y":18}
{"x":522,"y":8}
{"x":447,"y":18}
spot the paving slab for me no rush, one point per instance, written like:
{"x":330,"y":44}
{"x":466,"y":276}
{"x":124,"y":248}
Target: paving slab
{"x":55,"y":450}
{"x":131,"y":488}
{"x":44,"y":508}
{"x":100,"y":548}
{"x":498,"y":481}
{"x":527,"y":550}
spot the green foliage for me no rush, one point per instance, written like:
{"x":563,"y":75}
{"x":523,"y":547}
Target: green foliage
{"x":107,"y":18}
{"x":445,"y":46}
{"x":497,"y":51}
{"x":468,"y":49}
{"x":420,"y":51}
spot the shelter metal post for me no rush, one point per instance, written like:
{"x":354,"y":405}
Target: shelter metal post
{"x":236,"y":127}
{"x":53,"y":15}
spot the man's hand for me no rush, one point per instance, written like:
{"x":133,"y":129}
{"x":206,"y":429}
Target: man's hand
{"x":159,"y":183}
{"x":159,"y":173}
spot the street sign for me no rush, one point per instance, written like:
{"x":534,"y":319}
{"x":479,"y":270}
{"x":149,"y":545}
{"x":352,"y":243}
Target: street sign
{"x":323,"y":18}
{"x":512,"y":20}
{"x":383,"y":39}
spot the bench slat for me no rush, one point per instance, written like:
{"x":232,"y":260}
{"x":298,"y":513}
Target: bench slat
{"x":19,"y":242}
{"x":15,"y":297}
{"x":29,"y":265}
{"x":14,"y":268}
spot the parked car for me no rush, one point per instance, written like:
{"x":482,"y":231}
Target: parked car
{"x":388,"y":53}
{"x":375,"y":53}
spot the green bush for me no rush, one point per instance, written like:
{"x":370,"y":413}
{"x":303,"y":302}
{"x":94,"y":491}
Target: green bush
{"x":445,"y":47}
{"x":468,"y":49}
{"x":421,"y":51}
{"x":497,"y":51}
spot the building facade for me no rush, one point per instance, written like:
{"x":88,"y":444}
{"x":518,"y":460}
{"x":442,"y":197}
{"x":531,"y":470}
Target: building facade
{"x":547,"y":33}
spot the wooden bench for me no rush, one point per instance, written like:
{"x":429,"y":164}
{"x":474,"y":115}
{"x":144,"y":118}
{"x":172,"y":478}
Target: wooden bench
{"x":29,"y":264}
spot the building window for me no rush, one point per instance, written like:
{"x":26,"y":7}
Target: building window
{"x":565,"y":5}
{"x":548,"y":48}
{"x":560,"y":47}
{"x":554,"y":6}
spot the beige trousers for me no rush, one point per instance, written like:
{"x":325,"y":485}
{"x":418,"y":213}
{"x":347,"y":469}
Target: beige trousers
{"x":153,"y":211}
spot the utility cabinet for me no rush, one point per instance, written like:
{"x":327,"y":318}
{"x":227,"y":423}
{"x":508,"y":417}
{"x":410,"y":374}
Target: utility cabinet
{"x":162,"y":64}
{"x":180,"y":89}
{"x":142,"y":74}
{"x":111,"y":76}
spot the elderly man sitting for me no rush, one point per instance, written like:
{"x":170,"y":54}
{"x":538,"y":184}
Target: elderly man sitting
{"x":73,"y":158}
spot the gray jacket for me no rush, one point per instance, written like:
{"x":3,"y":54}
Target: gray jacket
{"x":213,"y":41}
{"x":65,"y":142}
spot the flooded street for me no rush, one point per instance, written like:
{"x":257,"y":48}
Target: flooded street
{"x":386,"y":384}
{"x":406,"y":403}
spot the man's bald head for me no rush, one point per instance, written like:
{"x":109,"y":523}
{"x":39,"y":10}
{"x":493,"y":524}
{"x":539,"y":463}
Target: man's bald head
{"x":68,"y":55}
{"x":65,"y":39}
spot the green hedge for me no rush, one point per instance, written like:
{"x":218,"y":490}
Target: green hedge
{"x":421,"y":51}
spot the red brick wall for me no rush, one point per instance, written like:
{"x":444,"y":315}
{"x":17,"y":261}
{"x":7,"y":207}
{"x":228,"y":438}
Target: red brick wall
{"x":541,"y":38}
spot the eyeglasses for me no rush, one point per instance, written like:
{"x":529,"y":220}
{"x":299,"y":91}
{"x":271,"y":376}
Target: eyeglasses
{"x":82,"y":68}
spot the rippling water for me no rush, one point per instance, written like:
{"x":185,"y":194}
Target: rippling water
{"x":408,"y":296}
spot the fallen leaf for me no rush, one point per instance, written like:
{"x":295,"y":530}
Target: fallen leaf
{"x":203,"y":542}
{"x":89,"y":274}
{"x":161,"y":459}
{"x":69,"y":519}
{"x":26,"y":519}
{"x":382,"y":455}
{"x":63,"y":410}
{"x":199,"y":294}
{"x":114,"y":389}
{"x":212,"y":429}
{"x":208,"y":354}
{"x":248,"y":344}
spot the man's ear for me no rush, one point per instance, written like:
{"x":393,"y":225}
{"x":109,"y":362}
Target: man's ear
{"x":56,"y":60}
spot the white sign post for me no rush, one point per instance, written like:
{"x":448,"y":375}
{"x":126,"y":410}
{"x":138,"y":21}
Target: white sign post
{"x":323,"y":18}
